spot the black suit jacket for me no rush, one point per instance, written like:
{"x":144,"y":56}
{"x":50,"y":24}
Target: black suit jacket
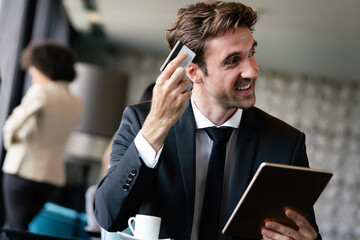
{"x":168,"y":191}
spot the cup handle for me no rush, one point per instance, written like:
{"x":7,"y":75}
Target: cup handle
{"x":130,"y":224}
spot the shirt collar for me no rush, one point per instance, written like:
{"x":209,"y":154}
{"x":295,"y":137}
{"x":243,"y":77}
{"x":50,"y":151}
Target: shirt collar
{"x":202,"y":122}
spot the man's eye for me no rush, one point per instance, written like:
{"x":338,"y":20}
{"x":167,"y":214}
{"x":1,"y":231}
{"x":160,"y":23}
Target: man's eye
{"x":252,"y":53}
{"x":233,"y":61}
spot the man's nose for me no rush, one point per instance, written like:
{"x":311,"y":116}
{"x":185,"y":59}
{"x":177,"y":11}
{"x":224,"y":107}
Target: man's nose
{"x":250,"y":69}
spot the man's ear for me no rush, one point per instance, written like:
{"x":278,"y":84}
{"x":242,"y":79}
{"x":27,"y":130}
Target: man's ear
{"x":194,"y":73}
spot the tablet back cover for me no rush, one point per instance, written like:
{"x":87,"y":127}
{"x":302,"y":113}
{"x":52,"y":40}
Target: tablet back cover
{"x":273,"y":188}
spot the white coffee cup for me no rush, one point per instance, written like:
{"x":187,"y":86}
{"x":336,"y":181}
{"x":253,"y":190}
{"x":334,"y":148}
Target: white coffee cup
{"x":146,"y":227}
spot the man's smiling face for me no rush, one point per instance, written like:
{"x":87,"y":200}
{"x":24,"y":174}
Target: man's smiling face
{"x":232,"y":69}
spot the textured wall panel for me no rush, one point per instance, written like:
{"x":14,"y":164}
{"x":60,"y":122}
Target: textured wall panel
{"x":329,"y":114}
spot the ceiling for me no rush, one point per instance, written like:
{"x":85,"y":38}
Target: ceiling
{"x":313,"y":37}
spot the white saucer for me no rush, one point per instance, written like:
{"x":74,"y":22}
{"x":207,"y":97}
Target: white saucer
{"x":130,"y":237}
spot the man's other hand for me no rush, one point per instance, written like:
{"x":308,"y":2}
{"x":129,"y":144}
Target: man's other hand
{"x":274,"y":230}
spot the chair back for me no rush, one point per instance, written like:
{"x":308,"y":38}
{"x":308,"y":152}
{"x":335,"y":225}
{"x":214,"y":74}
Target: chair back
{"x":105,"y":235}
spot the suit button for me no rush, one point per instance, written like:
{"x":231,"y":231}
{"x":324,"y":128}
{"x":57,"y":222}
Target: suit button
{"x":126,"y":187}
{"x":128,"y":182}
{"x":133,"y":172}
{"x":131,"y":177}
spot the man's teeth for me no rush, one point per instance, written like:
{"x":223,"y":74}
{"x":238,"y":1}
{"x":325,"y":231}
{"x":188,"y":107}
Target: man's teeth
{"x":244,"y":87}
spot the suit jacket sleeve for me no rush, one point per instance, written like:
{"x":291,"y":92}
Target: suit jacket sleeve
{"x":128,"y":179}
{"x":23,"y":117}
{"x":300,"y":159}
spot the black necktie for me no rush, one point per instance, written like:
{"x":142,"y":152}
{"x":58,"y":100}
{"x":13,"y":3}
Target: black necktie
{"x":209,"y":222}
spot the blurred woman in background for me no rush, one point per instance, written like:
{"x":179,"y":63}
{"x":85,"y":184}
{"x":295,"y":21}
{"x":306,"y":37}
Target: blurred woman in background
{"x":36,"y":132}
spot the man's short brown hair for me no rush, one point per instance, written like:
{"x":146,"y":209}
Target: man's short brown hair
{"x":200,"y":22}
{"x":54,"y":60}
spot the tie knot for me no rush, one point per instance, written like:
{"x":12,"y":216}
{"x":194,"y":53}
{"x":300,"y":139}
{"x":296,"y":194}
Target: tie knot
{"x":221,"y":134}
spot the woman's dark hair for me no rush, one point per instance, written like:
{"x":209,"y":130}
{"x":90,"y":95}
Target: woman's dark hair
{"x":54,"y":60}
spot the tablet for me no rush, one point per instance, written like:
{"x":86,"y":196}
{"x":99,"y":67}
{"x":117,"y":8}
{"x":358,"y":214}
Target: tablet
{"x":273,"y":188}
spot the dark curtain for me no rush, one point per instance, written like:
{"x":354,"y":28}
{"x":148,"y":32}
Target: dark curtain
{"x":23,"y":21}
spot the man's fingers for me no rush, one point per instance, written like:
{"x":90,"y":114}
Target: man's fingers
{"x":297,"y":218}
{"x":183,"y":86}
{"x":173,"y":65}
{"x":275,"y":230}
{"x":301,"y":222}
{"x":266,"y":238}
{"x":177,"y":76}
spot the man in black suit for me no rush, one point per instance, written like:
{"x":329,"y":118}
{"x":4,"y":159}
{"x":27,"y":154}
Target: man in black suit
{"x":160,"y":154}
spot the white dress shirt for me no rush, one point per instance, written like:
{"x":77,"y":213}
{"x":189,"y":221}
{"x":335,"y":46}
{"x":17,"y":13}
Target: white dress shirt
{"x":203,"y":150}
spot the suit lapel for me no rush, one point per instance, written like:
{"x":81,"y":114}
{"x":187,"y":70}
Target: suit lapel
{"x":246,"y":145}
{"x":185,"y":142}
